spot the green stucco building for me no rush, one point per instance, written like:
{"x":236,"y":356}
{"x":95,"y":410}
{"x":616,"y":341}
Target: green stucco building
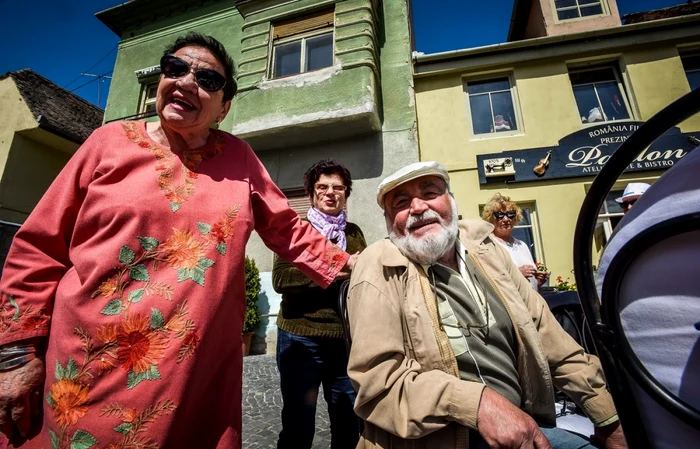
{"x":317,"y":79}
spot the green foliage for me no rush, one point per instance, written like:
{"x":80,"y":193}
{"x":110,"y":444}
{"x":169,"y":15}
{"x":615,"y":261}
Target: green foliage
{"x":252,"y":289}
{"x":564,"y":285}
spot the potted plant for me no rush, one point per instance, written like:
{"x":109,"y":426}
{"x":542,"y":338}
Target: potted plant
{"x":252,"y":318}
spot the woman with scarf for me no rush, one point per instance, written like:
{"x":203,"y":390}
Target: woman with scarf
{"x":310,"y":346}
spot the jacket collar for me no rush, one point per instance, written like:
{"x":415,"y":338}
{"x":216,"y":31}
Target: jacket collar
{"x":472,"y":232}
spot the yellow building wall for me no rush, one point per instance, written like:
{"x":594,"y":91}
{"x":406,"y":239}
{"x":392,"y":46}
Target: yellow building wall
{"x":30,"y":158}
{"x":29,"y":171}
{"x":653,"y":79}
{"x":14,"y":116}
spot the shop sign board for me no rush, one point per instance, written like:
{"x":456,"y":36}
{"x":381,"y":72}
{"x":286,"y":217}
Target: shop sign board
{"x":583,"y":153}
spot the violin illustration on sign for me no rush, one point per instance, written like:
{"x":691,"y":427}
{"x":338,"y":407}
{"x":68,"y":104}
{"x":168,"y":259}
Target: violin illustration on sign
{"x":541,"y":168}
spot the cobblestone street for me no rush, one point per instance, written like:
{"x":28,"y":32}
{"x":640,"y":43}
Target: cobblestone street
{"x":262,"y":405}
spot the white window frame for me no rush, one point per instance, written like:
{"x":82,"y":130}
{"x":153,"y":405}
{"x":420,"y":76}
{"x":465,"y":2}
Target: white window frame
{"x":602,"y":3}
{"x":532,"y":206}
{"x":620,"y":85}
{"x":145,"y":101}
{"x":513,"y":97}
{"x":303,"y":38}
{"x":605,"y":216}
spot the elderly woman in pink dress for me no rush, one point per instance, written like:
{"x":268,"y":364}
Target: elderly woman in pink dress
{"x":134,"y":261}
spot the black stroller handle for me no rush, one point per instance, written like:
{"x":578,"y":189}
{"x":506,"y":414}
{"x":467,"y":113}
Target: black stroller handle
{"x":605,"y":334}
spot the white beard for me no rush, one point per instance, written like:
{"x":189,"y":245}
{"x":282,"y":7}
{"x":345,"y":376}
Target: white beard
{"x":429,"y":249}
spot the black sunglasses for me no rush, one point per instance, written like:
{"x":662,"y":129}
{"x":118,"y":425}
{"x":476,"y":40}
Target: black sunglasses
{"x":209,"y":80}
{"x":499,"y":215}
{"x":630,"y":203}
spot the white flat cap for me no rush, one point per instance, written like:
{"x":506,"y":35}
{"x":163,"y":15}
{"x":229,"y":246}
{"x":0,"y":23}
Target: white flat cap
{"x":409,"y":173}
{"x":633,"y":189}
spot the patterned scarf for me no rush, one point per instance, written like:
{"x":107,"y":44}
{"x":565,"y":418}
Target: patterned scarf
{"x":333,"y":228}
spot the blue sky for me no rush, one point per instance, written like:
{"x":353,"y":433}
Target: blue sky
{"x":59,"y":39}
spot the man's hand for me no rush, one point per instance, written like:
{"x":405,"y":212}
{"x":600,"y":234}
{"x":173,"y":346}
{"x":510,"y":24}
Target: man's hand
{"x":21,"y":392}
{"x":610,"y":437}
{"x":503,"y":425}
{"x":528,"y":270}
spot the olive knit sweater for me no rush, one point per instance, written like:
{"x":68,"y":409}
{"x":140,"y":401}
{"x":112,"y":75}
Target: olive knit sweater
{"x":307,"y":309}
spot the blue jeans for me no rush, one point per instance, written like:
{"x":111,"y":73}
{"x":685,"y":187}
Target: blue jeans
{"x":558,"y":439}
{"x":305,"y":363}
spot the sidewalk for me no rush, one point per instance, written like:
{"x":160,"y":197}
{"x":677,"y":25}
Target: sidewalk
{"x":262,"y":405}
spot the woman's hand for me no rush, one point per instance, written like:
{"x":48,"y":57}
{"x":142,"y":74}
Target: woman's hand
{"x":528,"y":270}
{"x":350,"y":263}
{"x":21,"y":400}
{"x":542,"y":277}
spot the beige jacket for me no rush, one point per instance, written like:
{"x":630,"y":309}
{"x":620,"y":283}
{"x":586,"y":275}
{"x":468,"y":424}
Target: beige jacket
{"x":402,"y":365}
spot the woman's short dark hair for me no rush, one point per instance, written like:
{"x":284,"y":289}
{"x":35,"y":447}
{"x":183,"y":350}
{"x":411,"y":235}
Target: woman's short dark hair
{"x":216,"y":48}
{"x":326,"y":167}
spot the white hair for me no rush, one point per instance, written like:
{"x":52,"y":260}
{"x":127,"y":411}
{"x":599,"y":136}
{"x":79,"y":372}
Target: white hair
{"x":427,"y":250}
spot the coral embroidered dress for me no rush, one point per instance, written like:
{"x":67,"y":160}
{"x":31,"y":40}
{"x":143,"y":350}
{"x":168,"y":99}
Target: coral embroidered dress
{"x":133,"y":263}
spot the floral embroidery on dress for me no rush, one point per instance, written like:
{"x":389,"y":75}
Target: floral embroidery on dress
{"x":13,"y":319}
{"x":136,"y":344}
{"x":183,"y":251}
{"x":68,"y":397}
{"x":167,"y":161}
{"x":334,"y":258}
{"x":132,"y":424}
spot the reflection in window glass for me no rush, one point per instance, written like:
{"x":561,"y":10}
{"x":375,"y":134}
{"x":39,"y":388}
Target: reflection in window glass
{"x":481,"y":113}
{"x":572,"y":9}
{"x":306,"y":53}
{"x":319,"y":52}
{"x":503,"y":112}
{"x":480,"y":87}
{"x":491,"y":106}
{"x":591,"y":10}
{"x":611,"y":99}
{"x":598,"y":96}
{"x":287,"y":59}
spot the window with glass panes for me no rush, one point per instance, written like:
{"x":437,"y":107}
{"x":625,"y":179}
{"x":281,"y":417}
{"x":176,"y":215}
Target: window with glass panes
{"x":148,"y":98}
{"x":609,"y":216}
{"x":691,"y":64}
{"x":599,"y":95}
{"x":525,"y":230}
{"x":491,"y":106}
{"x":572,"y":9}
{"x":302,"y":45}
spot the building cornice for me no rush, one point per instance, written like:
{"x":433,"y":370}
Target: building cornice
{"x":555,"y":46}
{"x":133,"y":14}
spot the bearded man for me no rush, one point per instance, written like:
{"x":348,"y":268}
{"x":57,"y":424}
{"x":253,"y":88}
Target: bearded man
{"x":452,"y":348}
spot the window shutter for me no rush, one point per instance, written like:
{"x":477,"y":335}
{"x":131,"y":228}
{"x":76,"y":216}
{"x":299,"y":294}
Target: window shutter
{"x":299,"y":202}
{"x":300,"y":25}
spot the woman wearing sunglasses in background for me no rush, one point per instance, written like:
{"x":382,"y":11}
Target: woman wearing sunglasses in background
{"x":134,"y":259}
{"x":504,"y":215}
